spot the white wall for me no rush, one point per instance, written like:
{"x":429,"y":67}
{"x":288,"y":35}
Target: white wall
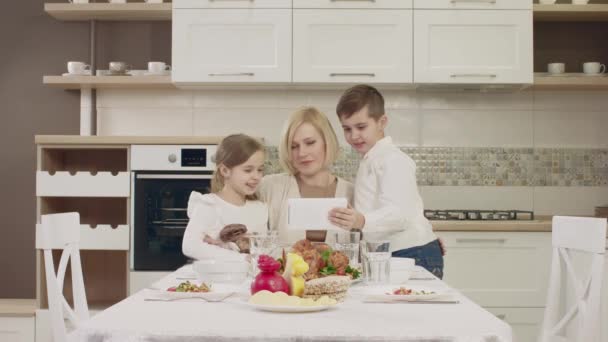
{"x":565,"y":119}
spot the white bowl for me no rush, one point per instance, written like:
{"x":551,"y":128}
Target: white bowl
{"x":402,"y":264}
{"x":219,"y":271}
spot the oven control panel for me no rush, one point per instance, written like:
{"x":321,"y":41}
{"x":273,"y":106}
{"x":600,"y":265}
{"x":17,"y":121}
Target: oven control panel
{"x":172,"y":157}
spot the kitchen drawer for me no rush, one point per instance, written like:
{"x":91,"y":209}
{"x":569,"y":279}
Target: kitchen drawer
{"x":373,"y":4}
{"x":195,"y":4}
{"x":525,"y":322}
{"x":499,"y":269}
{"x":102,"y":237}
{"x":325,"y":51}
{"x":17,"y":329}
{"x":473,"y":4}
{"x":82,"y":184}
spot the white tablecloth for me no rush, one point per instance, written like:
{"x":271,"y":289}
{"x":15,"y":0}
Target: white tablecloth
{"x":134,"y":319}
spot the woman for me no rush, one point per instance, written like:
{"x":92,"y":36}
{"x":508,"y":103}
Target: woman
{"x":307,"y":149}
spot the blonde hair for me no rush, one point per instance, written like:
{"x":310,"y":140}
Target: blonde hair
{"x":234,"y":150}
{"x":321,"y":123}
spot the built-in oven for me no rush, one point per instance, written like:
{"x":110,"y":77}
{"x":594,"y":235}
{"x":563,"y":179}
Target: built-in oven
{"x":163,"y":176}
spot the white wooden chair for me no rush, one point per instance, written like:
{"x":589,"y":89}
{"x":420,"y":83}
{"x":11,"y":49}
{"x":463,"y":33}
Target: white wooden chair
{"x":62,"y":231}
{"x":574,"y":316}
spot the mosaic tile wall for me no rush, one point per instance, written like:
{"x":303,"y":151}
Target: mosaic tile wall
{"x":463,"y":166}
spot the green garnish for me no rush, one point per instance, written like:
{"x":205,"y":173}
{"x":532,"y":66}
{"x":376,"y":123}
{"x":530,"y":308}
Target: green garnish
{"x":353,"y":271}
{"x":328,"y":270}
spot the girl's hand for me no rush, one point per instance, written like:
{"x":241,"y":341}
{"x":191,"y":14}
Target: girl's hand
{"x":347,"y":218}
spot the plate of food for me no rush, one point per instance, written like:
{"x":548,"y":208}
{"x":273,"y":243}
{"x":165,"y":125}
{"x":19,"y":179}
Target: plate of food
{"x":187,"y":289}
{"x":282,"y":302}
{"x":402,"y":293}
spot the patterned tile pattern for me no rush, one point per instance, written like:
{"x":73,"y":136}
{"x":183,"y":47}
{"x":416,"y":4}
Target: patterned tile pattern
{"x":463,"y":166}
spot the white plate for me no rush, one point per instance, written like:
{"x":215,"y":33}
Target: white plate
{"x":218,"y":292}
{"x":384,"y":293}
{"x":290,"y":309}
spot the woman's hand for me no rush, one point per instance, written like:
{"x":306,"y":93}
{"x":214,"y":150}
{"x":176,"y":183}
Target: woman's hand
{"x":347,"y":218}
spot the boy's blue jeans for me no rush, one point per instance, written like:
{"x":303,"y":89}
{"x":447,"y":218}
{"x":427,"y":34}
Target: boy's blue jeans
{"x":428,"y":256}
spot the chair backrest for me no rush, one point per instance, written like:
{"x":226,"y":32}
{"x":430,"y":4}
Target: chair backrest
{"x":62,"y":231}
{"x":577,"y":319}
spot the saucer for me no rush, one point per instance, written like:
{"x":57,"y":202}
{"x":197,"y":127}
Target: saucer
{"x":164,"y":73}
{"x":86,"y":73}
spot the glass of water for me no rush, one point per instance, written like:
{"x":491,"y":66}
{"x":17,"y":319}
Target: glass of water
{"x":376,"y":256}
{"x":262,"y":243}
{"x":348,"y":243}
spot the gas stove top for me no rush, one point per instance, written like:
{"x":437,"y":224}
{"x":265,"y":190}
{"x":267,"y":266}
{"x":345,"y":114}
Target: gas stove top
{"x":478,"y":215}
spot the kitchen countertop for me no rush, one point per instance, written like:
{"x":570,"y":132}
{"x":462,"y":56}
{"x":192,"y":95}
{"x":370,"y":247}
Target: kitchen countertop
{"x":17,"y":307}
{"x":124,"y":140}
{"x":540,"y":224}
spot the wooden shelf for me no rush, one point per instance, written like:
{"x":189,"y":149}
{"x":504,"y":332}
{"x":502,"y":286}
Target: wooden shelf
{"x":107,"y":11}
{"x":570,"y":82}
{"x":597,"y":12}
{"x":79,"y":82}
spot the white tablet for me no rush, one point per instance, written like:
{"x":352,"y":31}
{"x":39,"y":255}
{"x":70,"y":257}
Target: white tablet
{"x":312,"y":213}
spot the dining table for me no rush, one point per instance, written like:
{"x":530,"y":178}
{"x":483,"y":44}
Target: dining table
{"x":451,"y":318}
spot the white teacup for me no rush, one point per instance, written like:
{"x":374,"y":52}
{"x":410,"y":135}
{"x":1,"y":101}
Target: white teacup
{"x":593,"y":68}
{"x":78,"y":68}
{"x":158,"y":67}
{"x":79,"y":1}
{"x":556,"y":68}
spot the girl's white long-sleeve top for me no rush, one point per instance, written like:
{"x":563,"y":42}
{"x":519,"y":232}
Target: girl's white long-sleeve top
{"x":208,"y":214}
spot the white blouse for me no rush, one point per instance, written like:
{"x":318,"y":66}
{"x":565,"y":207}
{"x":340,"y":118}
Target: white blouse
{"x":208,"y":214}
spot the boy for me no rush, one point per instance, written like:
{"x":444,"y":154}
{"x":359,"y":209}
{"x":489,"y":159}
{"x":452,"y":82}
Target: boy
{"x":386,"y":194}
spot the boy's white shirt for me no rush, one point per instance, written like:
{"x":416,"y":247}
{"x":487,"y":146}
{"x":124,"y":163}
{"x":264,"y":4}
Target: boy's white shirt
{"x":387,"y":195}
{"x":209,"y":214}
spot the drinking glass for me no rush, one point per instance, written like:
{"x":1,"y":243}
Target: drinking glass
{"x":376,"y":261}
{"x":348,"y":243}
{"x":262,"y":243}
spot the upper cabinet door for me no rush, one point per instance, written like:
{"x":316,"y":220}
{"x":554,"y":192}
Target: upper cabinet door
{"x":473,"y":4}
{"x":189,"y":4}
{"x":348,"y":46}
{"x":374,"y":4}
{"x":477,"y":46}
{"x":231,"y":45}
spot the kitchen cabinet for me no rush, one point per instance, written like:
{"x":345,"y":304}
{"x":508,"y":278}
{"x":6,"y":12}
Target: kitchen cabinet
{"x":367,"y":4}
{"x":473,"y":46}
{"x":499,"y":269}
{"x":17,"y":329}
{"x":231,"y":45}
{"x":352,"y":46}
{"x":468,"y":4}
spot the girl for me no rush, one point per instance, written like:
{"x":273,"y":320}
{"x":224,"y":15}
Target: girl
{"x":219,"y":219}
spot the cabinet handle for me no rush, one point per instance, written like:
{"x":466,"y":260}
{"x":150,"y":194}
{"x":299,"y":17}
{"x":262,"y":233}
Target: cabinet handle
{"x":502,"y":316}
{"x":354,"y":0}
{"x":233,"y":74}
{"x":334,"y":74}
{"x":481,"y":240}
{"x":474,"y":1}
{"x":231,"y":0}
{"x":473,"y":75}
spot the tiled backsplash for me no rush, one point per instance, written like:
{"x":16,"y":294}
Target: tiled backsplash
{"x":464,"y":166}
{"x":531,"y":150}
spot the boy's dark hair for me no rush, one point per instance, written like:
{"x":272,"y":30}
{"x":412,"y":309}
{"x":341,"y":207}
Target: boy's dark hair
{"x":356,"y":98}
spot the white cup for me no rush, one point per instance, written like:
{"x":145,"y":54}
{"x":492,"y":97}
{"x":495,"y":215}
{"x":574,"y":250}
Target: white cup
{"x":78,"y":68}
{"x":580,"y":2}
{"x":546,"y":2}
{"x":158,"y":67}
{"x":118,"y":1}
{"x":153,"y":1}
{"x":79,"y":1}
{"x":592,"y":68}
{"x":556,"y":68}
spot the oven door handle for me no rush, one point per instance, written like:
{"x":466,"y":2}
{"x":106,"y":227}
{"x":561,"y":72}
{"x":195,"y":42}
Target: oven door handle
{"x":173,"y":176}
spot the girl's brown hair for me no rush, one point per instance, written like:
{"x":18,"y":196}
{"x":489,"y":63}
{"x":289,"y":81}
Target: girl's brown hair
{"x":234,"y":150}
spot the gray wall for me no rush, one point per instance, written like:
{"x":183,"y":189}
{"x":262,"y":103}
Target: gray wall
{"x":35,"y":44}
